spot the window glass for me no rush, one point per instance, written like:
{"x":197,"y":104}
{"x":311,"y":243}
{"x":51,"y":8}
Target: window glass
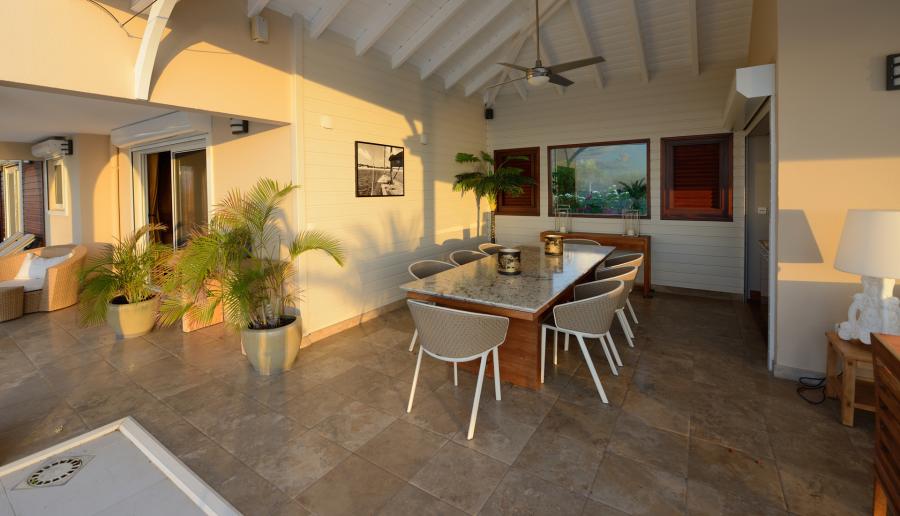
{"x":600,"y":179}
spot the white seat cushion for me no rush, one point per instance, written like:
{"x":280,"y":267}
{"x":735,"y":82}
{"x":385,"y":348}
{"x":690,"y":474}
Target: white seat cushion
{"x":30,"y":285}
{"x":35,"y":267}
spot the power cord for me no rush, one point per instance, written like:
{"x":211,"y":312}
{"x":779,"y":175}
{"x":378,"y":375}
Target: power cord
{"x":122,"y":24}
{"x":809,"y":383}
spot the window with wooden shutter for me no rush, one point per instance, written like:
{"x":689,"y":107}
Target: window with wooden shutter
{"x":697,"y":177}
{"x":529,"y":202}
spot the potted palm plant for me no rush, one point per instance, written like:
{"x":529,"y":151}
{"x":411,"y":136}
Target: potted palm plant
{"x":120,"y":284}
{"x":490,"y":181}
{"x":237,"y":263}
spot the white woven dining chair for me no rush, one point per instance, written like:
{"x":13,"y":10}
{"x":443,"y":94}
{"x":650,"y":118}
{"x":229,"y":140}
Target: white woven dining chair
{"x":580,"y":241}
{"x":589,"y":317}
{"x":464,"y":256}
{"x":420,"y":270}
{"x":489,"y":248}
{"x":626,"y":260}
{"x":458,"y":336}
{"x":626,"y":274}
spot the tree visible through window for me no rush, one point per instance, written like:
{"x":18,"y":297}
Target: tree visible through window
{"x":600,"y":179}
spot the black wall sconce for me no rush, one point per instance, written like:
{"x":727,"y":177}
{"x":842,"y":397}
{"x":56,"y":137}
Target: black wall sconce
{"x":893,"y":72}
{"x":239,"y":126}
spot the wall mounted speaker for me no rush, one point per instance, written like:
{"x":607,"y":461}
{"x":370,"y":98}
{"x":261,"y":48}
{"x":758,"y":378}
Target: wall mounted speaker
{"x":893,"y":72}
{"x":488,"y":113}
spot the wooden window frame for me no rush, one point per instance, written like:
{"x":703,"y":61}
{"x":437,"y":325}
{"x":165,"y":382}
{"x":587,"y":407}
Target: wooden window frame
{"x":535,"y":209}
{"x":726,"y":179}
{"x":551,"y":148}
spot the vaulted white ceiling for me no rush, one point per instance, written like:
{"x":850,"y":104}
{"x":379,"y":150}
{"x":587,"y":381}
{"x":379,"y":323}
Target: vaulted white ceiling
{"x":460,"y":41}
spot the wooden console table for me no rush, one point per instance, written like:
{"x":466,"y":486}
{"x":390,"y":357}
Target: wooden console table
{"x":856,"y":391}
{"x":640,"y":243}
{"x":887,"y":423}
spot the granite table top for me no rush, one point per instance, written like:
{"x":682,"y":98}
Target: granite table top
{"x":543,"y":278}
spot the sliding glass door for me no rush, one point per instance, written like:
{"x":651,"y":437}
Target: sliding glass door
{"x":12,"y":199}
{"x":171,"y":189}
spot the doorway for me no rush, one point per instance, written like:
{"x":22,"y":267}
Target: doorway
{"x":12,"y":199}
{"x":172,"y":190}
{"x":756,"y":228}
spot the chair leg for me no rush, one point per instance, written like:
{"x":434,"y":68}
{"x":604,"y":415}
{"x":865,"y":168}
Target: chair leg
{"x":455,"y":375}
{"x":612,"y":347}
{"x":555,"y":347}
{"x":412,"y":343}
{"x":543,"y":350}
{"x":412,"y":393}
{"x":609,"y":358}
{"x":631,"y":309}
{"x":497,"y":374}
{"x":477,"y":397}
{"x":620,"y":314}
{"x":590,"y":363}
{"x":566,"y":347}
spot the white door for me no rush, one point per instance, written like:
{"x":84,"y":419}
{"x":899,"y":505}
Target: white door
{"x":12,"y":199}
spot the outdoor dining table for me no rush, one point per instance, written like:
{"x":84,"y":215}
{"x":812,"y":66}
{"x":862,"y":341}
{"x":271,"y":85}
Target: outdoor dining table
{"x":525,"y":299}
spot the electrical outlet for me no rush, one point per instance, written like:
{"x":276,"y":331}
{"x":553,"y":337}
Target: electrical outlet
{"x":762,"y":210}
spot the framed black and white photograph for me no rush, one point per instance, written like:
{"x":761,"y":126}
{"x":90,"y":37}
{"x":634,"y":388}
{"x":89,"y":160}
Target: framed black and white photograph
{"x":379,"y":170}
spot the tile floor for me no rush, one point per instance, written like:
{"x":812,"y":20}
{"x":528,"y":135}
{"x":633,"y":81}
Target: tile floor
{"x":694,"y":425}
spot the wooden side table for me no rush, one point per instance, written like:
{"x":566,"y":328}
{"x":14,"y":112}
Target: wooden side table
{"x":856,"y":390}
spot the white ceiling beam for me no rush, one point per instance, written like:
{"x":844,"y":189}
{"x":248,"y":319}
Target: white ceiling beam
{"x":384,"y":20}
{"x":146,"y":58}
{"x":525,"y":26}
{"x":254,"y":7}
{"x":327,"y":13}
{"x":637,"y":38}
{"x":582,"y":28}
{"x":139,"y":5}
{"x":511,"y":56}
{"x":424,"y":32}
{"x":433,"y":62}
{"x":694,"y":43}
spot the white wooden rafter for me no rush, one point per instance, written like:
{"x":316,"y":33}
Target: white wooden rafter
{"x":139,"y":5}
{"x":634,"y":23}
{"x":433,"y":62}
{"x":157,"y":19}
{"x":503,"y":35}
{"x":383,"y":21}
{"x":327,"y":13}
{"x":254,"y":7}
{"x":511,"y":56}
{"x":589,"y":45}
{"x":424,"y":32}
{"x":694,"y":43}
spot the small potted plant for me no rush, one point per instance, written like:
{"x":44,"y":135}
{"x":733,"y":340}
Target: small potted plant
{"x":120,"y":284}
{"x":488,"y":180}
{"x":237,"y":263}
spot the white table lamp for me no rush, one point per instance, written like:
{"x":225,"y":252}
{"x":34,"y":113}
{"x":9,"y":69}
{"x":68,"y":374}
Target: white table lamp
{"x":870,"y":247}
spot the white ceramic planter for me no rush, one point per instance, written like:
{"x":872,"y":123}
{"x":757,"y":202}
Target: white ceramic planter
{"x":133,"y":319}
{"x":272,"y":351}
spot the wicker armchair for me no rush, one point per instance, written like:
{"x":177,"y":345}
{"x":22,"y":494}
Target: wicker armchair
{"x":60,"y":288}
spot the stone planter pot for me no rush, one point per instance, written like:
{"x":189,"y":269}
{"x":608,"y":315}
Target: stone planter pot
{"x":272,"y":351}
{"x":132,"y":319}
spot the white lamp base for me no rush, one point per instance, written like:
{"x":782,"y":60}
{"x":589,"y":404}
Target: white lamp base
{"x":875,"y":310}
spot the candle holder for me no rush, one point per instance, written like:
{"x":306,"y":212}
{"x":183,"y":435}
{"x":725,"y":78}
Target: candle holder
{"x":509,"y":262}
{"x":631,"y":222}
{"x":563,"y":224}
{"x":553,"y":245}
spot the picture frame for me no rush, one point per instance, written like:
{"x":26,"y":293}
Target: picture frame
{"x":379,"y":170}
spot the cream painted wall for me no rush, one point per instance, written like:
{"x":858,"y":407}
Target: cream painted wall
{"x":700,"y":255}
{"x":368,"y":101}
{"x":15,"y":150}
{"x":206,"y":59}
{"x":839,"y":148}
{"x":763,"y":33}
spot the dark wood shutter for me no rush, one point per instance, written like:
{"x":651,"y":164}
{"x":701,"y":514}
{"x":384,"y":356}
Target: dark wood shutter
{"x":33,"y":200}
{"x":697,"y":177}
{"x":529,"y":202}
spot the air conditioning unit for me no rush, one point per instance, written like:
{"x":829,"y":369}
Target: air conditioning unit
{"x":52,"y":147}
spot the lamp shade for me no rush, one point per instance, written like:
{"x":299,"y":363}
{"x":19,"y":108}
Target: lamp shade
{"x":870,"y":244}
{"x":538,"y":80}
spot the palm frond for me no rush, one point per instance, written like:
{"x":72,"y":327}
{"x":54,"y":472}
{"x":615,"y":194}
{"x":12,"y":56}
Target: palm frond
{"x":317,"y":241}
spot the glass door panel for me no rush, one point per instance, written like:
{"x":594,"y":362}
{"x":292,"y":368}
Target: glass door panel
{"x":189,"y":193}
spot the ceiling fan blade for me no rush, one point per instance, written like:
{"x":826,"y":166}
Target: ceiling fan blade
{"x":505,"y":82}
{"x":571,"y":65}
{"x":560,"y":80}
{"x":515,"y":66}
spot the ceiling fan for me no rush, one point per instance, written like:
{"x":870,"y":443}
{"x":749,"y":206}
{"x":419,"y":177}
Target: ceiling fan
{"x":539,"y":75}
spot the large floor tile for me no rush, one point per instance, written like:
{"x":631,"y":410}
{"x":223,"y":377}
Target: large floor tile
{"x":566,"y":462}
{"x":523,"y":493}
{"x":636,"y":488}
{"x":461,"y":477}
{"x":402,"y":448}
{"x":355,"y":486}
{"x":735,"y":472}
